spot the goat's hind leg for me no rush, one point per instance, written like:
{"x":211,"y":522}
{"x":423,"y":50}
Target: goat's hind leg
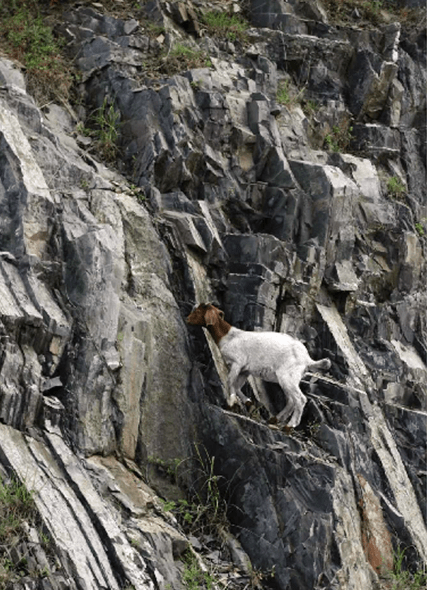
{"x":287,"y":411}
{"x":300,"y":402}
{"x":296,"y":402}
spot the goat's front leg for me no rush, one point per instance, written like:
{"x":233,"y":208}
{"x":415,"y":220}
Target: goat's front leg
{"x":236,"y":379}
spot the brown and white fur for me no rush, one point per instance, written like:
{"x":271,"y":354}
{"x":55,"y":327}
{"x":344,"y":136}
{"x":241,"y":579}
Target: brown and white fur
{"x":273,"y":356}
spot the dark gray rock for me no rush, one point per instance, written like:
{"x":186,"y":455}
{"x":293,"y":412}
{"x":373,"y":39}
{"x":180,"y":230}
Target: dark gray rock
{"x":376,"y":141}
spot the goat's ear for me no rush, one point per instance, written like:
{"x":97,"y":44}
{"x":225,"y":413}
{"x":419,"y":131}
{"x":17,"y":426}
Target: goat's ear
{"x":221,"y":314}
{"x":211,"y":317}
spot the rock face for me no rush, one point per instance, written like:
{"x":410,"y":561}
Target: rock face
{"x":222,"y":194}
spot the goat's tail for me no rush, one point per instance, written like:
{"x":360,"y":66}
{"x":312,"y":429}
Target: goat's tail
{"x":323,"y":364}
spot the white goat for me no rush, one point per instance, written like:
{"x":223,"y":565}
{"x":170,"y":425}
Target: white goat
{"x":273,"y":356}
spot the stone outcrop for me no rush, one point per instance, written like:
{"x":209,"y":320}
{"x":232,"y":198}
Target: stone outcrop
{"x":283,"y":214}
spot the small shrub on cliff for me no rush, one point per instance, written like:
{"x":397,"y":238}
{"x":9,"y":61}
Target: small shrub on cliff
{"x":221,"y":24}
{"x":26,"y":38}
{"x":16,"y":507}
{"x":338,"y":140}
{"x":395,"y":187}
{"x":180,"y":57}
{"x":103,"y":125}
{"x":193,"y":576}
{"x":420,"y":229}
{"x":107,"y":122}
{"x":283,"y":95}
{"x":402,"y":579}
{"x":368,"y":12}
{"x":310,"y":107}
{"x":288,"y":95}
{"x":204,"y":510}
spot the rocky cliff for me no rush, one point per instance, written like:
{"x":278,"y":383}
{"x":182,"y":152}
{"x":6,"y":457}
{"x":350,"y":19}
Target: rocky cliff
{"x":277,"y":169}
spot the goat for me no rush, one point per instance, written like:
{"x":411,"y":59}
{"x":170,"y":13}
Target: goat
{"x":273,"y":356}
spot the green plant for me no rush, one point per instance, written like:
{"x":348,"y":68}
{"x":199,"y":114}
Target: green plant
{"x":314,"y":428}
{"x":168,"y":505}
{"x":221,"y":24}
{"x":210,"y":508}
{"x":106,"y":122}
{"x":180,"y":50}
{"x":140,"y":195}
{"x":259,"y":576}
{"x":44,"y":573}
{"x":154,"y":30}
{"x":24,"y":36}
{"x":16,"y":507}
{"x":169,"y":467}
{"x":193,"y":576}
{"x":310,"y":107}
{"x":84,"y":184}
{"x":420,"y":229}
{"x":288,"y":95}
{"x":369,"y":11}
{"x":204,"y":510}
{"x":44,"y":538}
{"x":395,"y":187}
{"x":16,"y":504}
{"x":181,"y":57}
{"x":283,"y":96}
{"x":82,"y":130}
{"x":340,"y":137}
{"x":401,"y":578}
{"x":373,"y":6}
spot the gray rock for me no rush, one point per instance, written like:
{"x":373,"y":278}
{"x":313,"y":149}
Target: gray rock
{"x":11,"y":75}
{"x":370,"y":80}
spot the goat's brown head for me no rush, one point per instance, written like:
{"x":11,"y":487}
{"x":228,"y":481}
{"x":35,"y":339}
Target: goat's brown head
{"x":205,"y":315}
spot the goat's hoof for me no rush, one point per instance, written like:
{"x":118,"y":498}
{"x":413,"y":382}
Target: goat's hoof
{"x":232,"y":401}
{"x":272,"y":420}
{"x":248,"y":403}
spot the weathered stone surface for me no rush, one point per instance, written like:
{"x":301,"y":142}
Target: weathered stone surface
{"x":370,"y":80}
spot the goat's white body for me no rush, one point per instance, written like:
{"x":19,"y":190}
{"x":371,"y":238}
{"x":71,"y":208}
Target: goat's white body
{"x":265,"y":353}
{"x":273,"y":356}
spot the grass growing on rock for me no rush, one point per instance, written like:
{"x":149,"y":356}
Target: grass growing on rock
{"x":369,"y":12}
{"x":16,"y":507}
{"x":106,"y":121}
{"x":221,"y":24}
{"x":193,"y":576}
{"x":402,"y":579}
{"x":25,"y":38}
{"x":288,"y":94}
{"x":339,"y":138}
{"x":205,"y":510}
{"x":395,"y":187}
{"x":103,"y":125}
{"x":180,"y":58}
